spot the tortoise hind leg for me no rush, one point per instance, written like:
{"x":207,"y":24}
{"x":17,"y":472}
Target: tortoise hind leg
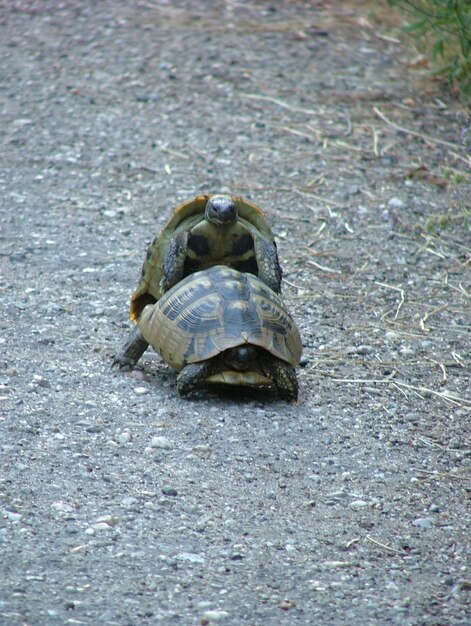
{"x":283,"y":376}
{"x":269,"y":269}
{"x":193,"y":375}
{"x":132,"y":351}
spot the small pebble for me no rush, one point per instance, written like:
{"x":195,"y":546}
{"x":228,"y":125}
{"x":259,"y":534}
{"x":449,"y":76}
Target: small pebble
{"x":100,"y":526}
{"x":13,"y":517}
{"x":202,"y":451}
{"x":337,"y":494}
{"x":464,"y":585}
{"x":140,"y":391}
{"x":358,"y":504}
{"x":395,"y":203}
{"x":47,"y":341}
{"x":78,"y":549}
{"x":124,"y":438}
{"x":286,"y":605}
{"x":363,"y":349}
{"x":190,"y":557}
{"x":213,"y":616}
{"x":161,"y":442}
{"x":169,"y":491}
{"x":424,"y":522}
{"x":129,"y":501}
{"x":40,"y":381}
{"x":18,"y":256}
{"x":96,"y":427}
{"x":62,"y":507}
{"x":110,"y":520}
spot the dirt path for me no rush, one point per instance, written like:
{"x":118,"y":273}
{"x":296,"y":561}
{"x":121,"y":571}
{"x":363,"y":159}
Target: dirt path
{"x":123,"y":504}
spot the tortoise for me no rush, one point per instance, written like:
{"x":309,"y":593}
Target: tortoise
{"x":202,"y":232}
{"x":224,"y":326}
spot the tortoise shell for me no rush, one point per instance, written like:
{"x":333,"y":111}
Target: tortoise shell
{"x":235,"y":249}
{"x":217,"y":309}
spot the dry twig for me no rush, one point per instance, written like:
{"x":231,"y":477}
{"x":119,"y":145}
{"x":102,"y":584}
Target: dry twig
{"x":415,"y":133}
{"x":375,"y":141}
{"x":443,"y":368}
{"x":164,"y":147}
{"x":429,"y":314}
{"x":448,"y":397}
{"x":435,"y":474}
{"x":382,"y":545}
{"x":401,"y":302}
{"x":320,"y":198}
{"x":280,"y":103}
{"x":323,"y":268}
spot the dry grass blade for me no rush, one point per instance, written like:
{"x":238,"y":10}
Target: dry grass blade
{"x":294,"y":131}
{"x":437,"y":475}
{"x":443,"y":395}
{"x":164,"y":147}
{"x":382,"y":545}
{"x":443,"y":368}
{"x":323,"y":268}
{"x":442,"y":307}
{"x":320,"y":198}
{"x":415,"y":133}
{"x":375,"y":142}
{"x":280,"y":103}
{"x":401,"y":302}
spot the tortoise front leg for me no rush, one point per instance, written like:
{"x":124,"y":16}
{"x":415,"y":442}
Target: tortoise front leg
{"x":283,"y":376}
{"x":132,"y":351}
{"x":174,"y":261}
{"x":269,"y":269}
{"x":193,"y":375}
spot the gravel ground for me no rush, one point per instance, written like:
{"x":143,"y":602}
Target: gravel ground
{"x":122,"y":504}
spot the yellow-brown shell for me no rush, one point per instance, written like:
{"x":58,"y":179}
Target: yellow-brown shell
{"x":187,"y":216}
{"x":216,"y":309}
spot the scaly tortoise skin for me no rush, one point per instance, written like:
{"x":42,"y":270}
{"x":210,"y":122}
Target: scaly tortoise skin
{"x":203,"y":232}
{"x":224,"y":326}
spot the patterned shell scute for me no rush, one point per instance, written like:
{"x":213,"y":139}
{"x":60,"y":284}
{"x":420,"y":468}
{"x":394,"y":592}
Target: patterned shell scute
{"x":216,"y":309}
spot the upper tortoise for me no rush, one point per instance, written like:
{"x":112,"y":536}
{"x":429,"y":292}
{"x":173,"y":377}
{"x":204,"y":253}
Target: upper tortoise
{"x":205,"y":231}
{"x":224,"y":326}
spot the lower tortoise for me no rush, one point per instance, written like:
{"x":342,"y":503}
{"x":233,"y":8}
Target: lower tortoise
{"x":205,"y":231}
{"x":224,"y":326}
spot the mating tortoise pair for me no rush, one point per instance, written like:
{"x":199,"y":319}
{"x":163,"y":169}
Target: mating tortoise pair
{"x":208,"y":301}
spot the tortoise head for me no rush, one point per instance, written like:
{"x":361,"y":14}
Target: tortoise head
{"x":221,"y":209}
{"x":240,"y":358}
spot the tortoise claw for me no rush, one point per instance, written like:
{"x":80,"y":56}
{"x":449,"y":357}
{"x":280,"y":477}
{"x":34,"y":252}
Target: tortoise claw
{"x":131,"y":352}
